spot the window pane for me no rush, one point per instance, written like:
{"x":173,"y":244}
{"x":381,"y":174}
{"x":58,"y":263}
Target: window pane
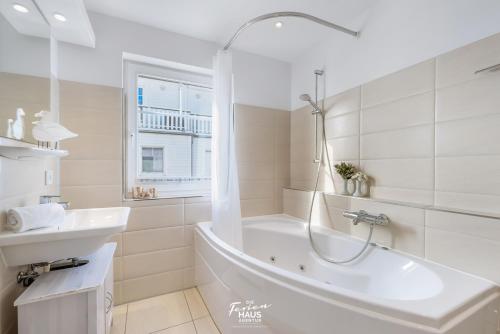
{"x":174,"y":129}
{"x":198,"y":100}
{"x":152,"y":160}
{"x":159,"y":93}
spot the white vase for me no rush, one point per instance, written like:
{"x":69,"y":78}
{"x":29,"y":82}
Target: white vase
{"x":358,"y":192}
{"x":345,"y":190}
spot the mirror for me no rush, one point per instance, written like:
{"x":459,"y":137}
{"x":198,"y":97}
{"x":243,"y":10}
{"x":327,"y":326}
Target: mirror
{"x":24,"y":73}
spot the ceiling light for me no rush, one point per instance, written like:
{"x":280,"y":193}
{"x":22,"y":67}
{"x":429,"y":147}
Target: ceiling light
{"x":278,"y":24}
{"x":60,"y":17}
{"x":20,"y":8}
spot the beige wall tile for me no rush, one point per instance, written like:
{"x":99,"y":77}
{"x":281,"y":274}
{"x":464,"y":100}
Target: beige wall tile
{"x":118,"y":239}
{"x":81,"y":95}
{"x":296,"y":203}
{"x":188,"y":278}
{"x":414,"y":80}
{"x":91,"y":172}
{"x":472,"y":254}
{"x":117,"y":293}
{"x":411,"y":111}
{"x":82,"y":197}
{"x":197,"y":212}
{"x":473,"y":98}
{"x":471,"y":136}
{"x":345,"y":148}
{"x":256,"y":170}
{"x":21,"y":177}
{"x":257,"y":189}
{"x":152,"y":239}
{"x":399,"y":214}
{"x":342,"y":126}
{"x":460,"y":174}
{"x":343,"y":103}
{"x":401,"y":173}
{"x":459,"y":65}
{"x":8,"y":313}
{"x":188,"y":239}
{"x":93,"y":121}
{"x":405,"y":195}
{"x":94,"y":147}
{"x":142,"y":218}
{"x":257,"y":207}
{"x":253,"y":116}
{"x":481,"y":227}
{"x":468,"y":201}
{"x":416,"y":142}
{"x":117,"y":269}
{"x":151,"y":263}
{"x":157,"y":202}
{"x":258,"y":149}
{"x":406,"y":238}
{"x":152,"y":285}
{"x":333,"y":217}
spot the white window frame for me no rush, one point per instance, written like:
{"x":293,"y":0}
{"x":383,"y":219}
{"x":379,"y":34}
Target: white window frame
{"x":134,"y":66}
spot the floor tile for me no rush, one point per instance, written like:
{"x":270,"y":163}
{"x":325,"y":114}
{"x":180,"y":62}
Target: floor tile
{"x":187,"y":328}
{"x":195,"y":303}
{"x":205,"y":326}
{"x":119,"y":319}
{"x":157,"y":313}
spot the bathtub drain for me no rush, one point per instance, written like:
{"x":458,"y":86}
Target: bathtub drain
{"x":302,"y":267}
{"x":273,"y":259}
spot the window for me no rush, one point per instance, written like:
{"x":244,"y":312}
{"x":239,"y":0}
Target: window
{"x":169,"y":130}
{"x":139,"y":96}
{"x":152,"y":160}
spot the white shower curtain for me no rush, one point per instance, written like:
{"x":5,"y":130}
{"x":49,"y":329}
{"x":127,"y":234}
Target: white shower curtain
{"x":226,"y":213}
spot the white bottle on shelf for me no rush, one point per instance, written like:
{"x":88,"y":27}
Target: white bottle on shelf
{"x":10,"y":121}
{"x":18,"y":126}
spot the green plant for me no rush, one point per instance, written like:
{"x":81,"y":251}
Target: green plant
{"x":345,"y":170}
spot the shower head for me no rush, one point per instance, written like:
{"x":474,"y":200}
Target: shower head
{"x":307,"y":98}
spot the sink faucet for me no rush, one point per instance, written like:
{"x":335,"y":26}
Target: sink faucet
{"x":365,"y":217}
{"x":44,"y":199}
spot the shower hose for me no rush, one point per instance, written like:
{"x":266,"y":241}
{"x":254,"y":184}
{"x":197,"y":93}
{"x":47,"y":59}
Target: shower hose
{"x":311,"y":239}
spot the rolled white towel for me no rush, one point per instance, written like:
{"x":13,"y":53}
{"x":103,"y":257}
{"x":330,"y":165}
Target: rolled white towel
{"x":36,"y":216}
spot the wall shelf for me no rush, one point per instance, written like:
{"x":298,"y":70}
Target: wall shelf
{"x":19,"y":150}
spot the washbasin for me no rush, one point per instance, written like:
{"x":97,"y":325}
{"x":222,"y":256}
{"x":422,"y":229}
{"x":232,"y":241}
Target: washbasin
{"x":82,"y":233}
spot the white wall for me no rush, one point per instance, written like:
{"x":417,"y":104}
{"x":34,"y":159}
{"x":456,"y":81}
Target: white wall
{"x":259,"y":80}
{"x":17,"y":50}
{"x":395,"y":35}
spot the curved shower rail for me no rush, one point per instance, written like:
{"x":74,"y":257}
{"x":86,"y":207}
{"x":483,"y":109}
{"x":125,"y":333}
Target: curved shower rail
{"x":288,"y":14}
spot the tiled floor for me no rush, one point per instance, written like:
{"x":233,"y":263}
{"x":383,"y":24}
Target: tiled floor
{"x":182,"y":312}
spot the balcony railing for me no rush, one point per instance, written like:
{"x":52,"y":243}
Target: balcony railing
{"x":167,"y":121}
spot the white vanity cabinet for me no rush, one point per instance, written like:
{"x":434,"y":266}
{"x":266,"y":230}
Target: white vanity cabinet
{"x":70,"y":301}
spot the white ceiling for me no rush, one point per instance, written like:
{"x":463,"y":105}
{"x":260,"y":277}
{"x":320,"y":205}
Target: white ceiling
{"x":217,"y":20}
{"x":39,"y":20}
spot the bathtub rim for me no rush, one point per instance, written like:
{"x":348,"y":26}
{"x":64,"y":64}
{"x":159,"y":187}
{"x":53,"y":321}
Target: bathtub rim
{"x":355,"y":301}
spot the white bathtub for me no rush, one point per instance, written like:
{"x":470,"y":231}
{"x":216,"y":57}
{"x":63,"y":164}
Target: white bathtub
{"x":384,"y":292}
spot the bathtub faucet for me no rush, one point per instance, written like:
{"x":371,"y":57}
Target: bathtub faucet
{"x":365,"y":217}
